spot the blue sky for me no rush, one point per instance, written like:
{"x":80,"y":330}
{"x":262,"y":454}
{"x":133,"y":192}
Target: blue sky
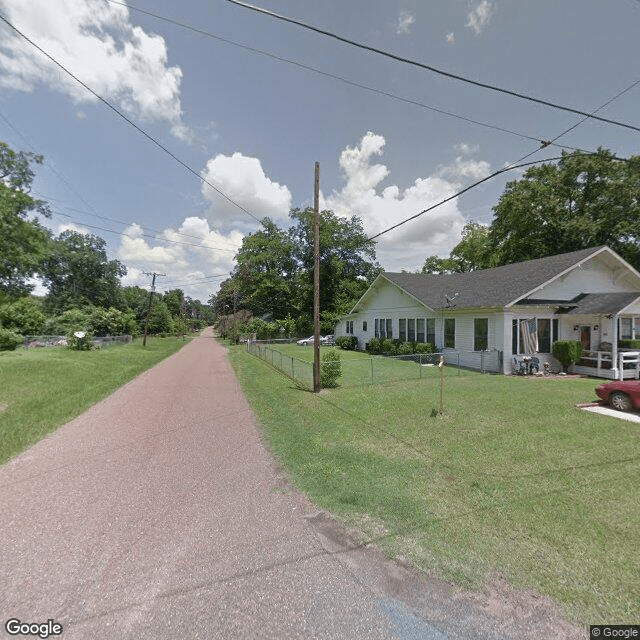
{"x":254,"y":126}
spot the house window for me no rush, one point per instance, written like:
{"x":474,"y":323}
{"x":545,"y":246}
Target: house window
{"x":384,"y":328}
{"x":420,"y":330}
{"x":544,"y":335}
{"x":350,"y":326}
{"x":402,"y":329}
{"x":533,"y":335}
{"x":625,"y":329}
{"x":364,"y":325}
{"x":431,"y":330}
{"x":450,"y":333}
{"x":480,"y":334}
{"x":411,"y":330}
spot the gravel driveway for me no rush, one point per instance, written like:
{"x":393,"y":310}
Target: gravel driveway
{"x":159,"y":514}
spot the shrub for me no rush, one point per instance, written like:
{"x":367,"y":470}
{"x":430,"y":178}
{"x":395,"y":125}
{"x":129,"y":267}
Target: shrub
{"x":68,"y":322}
{"x":9,"y":340}
{"x":348,"y":343}
{"x":24,"y":315}
{"x":374,"y":346}
{"x":629,"y":344}
{"x":425,"y":347}
{"x":388,"y":347}
{"x":330,"y":368}
{"x":567,"y":352}
{"x":79,"y":341}
{"x":405,"y":349}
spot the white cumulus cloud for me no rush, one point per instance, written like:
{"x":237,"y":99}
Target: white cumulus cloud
{"x":450,"y":37}
{"x":190,"y":256}
{"x":405,"y":20}
{"x":433,"y":233}
{"x":244,"y":181}
{"x":96,"y":42}
{"x":478,"y":18}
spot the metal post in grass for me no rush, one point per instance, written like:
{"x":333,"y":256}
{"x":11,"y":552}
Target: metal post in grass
{"x":441,"y":367}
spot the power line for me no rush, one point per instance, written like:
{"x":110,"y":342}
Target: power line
{"x":146,"y":235}
{"x":334,"y":76}
{"x":426,"y":67}
{"x":128,"y":120}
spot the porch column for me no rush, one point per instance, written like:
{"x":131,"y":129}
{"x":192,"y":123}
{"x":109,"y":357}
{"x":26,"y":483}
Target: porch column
{"x":617,"y":375}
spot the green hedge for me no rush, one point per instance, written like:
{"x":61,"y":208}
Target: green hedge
{"x":629,"y":344}
{"x":348,"y":343}
{"x":330,"y":369}
{"x":568,"y":352}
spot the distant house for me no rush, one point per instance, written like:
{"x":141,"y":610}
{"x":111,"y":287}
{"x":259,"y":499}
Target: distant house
{"x":484,"y":319}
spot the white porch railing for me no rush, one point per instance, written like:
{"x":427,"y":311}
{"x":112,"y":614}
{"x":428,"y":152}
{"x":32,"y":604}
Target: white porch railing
{"x":599,"y":364}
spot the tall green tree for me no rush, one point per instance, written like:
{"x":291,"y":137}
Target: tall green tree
{"x":471,"y":253}
{"x":78,"y":272}
{"x":584,"y":200}
{"x":347,"y":260}
{"x":24,"y":242}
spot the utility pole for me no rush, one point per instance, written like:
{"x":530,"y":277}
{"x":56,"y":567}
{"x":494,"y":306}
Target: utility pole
{"x":151,"y":292}
{"x":316,"y":281}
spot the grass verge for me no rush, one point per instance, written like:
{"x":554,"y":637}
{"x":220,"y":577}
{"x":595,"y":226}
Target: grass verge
{"x":42,"y":389}
{"x":512,"y":478}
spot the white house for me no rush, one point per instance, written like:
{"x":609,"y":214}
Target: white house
{"x":485,"y":319}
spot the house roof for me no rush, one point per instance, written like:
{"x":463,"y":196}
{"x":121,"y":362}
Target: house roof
{"x":602,"y":303}
{"x":498,"y":287}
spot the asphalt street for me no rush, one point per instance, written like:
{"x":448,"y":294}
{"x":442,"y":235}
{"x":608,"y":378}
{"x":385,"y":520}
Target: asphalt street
{"x":160,"y":514}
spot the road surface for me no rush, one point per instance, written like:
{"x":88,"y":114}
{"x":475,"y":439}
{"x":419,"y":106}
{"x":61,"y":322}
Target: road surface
{"x":159,"y":514}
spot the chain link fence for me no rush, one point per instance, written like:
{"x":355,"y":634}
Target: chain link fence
{"x":31,"y":342}
{"x":359,"y":369}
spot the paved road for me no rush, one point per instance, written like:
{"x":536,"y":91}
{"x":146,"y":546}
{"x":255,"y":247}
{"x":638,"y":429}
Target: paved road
{"x":159,"y":514}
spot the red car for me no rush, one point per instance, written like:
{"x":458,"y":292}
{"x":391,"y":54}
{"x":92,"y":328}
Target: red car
{"x":623,"y":395}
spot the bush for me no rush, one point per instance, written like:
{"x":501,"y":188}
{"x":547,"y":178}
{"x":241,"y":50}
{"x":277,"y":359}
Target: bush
{"x":348,"y":343}
{"x":9,"y":340}
{"x":330,"y":368}
{"x":374,"y":346}
{"x":79,"y":341}
{"x":69,"y":321}
{"x":568,"y":352}
{"x":425,"y":347}
{"x":24,"y":316}
{"x":388,"y":347}
{"x":405,"y":349}
{"x":629,"y":344}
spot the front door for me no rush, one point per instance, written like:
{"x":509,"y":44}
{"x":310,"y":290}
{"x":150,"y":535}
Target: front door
{"x":585,"y":338}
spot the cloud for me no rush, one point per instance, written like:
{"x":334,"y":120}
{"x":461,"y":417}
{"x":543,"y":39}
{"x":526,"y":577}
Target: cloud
{"x":96,"y":42}
{"x":243,"y":180}
{"x":450,"y":38}
{"x":436,"y":232}
{"x":405,"y":20}
{"x":478,"y":18}
{"x":204,"y":252}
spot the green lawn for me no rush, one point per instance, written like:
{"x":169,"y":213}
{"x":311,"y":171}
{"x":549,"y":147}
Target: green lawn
{"x":42,"y":389}
{"x":512,"y":478}
{"x":357,"y":368}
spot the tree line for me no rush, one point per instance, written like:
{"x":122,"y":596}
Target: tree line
{"x":583,"y":200}
{"x":84,"y":288}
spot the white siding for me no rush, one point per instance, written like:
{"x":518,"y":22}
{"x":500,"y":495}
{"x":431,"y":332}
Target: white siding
{"x":592,"y":277}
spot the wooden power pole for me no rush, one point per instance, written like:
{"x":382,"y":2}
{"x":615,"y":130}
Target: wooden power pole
{"x":151,"y":292}
{"x":316,"y":281}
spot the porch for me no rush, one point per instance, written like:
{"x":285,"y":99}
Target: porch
{"x":598,"y":364}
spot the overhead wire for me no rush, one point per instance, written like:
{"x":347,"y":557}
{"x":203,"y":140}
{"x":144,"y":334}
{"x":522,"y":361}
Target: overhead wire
{"x":426,"y":67}
{"x":332,"y":75}
{"x":129,"y":121}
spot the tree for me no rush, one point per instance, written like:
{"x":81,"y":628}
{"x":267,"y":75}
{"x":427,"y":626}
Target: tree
{"x":23,"y":316}
{"x":471,"y":253}
{"x":347,"y":260}
{"x":24,"y":243}
{"x":78,"y":273}
{"x":585,"y":200}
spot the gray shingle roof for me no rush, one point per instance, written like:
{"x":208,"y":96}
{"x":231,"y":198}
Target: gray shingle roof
{"x":602,"y":303}
{"x":487,"y":287}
